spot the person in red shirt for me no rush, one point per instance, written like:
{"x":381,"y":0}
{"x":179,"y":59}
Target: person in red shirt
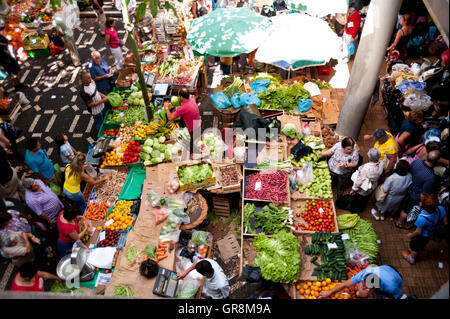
{"x":29,"y":278}
{"x":67,"y":223}
{"x":188,"y":110}
{"x":351,"y":30}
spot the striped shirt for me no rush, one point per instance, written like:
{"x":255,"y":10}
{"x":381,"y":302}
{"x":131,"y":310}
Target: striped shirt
{"x":90,"y":89}
{"x":145,"y":24}
{"x":44,"y":201}
{"x":217,"y":287}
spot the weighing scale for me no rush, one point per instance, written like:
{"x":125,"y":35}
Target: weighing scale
{"x":98,"y":150}
{"x":149,"y":78}
{"x":166,"y":284}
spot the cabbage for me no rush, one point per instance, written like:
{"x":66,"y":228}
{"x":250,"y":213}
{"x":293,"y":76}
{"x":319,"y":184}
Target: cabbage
{"x":155,"y":160}
{"x":115,"y":99}
{"x":147,"y":149}
{"x":162,"y":156}
{"x":148,"y":142}
{"x":155,"y":154}
{"x":162,"y":139}
{"x":289,"y":130}
{"x":168,"y":155}
{"x":144,"y":156}
{"x":148,"y":163}
{"x":175,"y":100}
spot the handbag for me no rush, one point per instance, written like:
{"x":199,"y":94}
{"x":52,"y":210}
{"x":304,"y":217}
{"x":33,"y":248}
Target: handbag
{"x":380,"y":194}
{"x":413,"y":214}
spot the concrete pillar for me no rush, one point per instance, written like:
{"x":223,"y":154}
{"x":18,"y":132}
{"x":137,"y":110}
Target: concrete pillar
{"x":378,"y":27}
{"x":438,"y":10}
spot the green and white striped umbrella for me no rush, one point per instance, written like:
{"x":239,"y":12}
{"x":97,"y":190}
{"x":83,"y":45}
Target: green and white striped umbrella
{"x":228,"y":32}
{"x":319,"y":8}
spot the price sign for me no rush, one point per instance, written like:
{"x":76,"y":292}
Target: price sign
{"x":321,"y":210}
{"x":257,"y":186}
{"x":345,"y":237}
{"x":332,"y":246}
{"x":102,"y":236}
{"x":109,"y":222}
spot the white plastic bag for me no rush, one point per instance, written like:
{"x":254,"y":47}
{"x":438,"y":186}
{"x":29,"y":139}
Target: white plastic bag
{"x":169,"y":234}
{"x":417,"y":101}
{"x":23,"y":99}
{"x":305,"y":175}
{"x":415,"y":68}
{"x":312,"y":88}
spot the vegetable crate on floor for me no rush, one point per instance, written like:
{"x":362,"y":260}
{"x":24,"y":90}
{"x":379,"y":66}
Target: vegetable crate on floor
{"x":221,"y":206}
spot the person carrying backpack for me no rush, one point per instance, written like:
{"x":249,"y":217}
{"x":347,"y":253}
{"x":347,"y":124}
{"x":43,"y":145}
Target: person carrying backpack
{"x":431,"y":224}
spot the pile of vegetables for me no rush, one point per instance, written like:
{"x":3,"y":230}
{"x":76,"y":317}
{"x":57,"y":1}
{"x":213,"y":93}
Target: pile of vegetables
{"x":150,"y":251}
{"x":363,"y":235}
{"x":320,"y":186}
{"x":123,"y":291}
{"x":126,"y":132}
{"x":96,"y":210}
{"x":114,"y":157}
{"x":266,"y":164}
{"x":136,"y":98}
{"x":319,"y":216}
{"x":195,"y":174}
{"x":109,"y":190}
{"x":121,"y":216}
{"x":311,"y":290}
{"x":111,"y":132}
{"x":111,"y":239}
{"x":235,"y":87}
{"x":133,"y":115}
{"x":145,"y":130}
{"x":278,"y":257}
{"x":169,"y":67}
{"x":314,"y":142}
{"x":317,"y":161}
{"x":213,"y":143}
{"x":155,"y":152}
{"x":131,"y":154}
{"x":284,"y":98}
{"x":229,"y":175}
{"x":268,"y":185}
{"x":116,"y":116}
{"x":187,"y":290}
{"x":200,"y":238}
{"x":270,"y":219}
{"x":290,"y":131}
{"x":333,"y":259}
{"x":115,"y":99}
{"x":132,"y":254}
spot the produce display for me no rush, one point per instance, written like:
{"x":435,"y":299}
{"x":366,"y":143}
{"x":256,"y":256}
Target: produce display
{"x":314,"y":142}
{"x":115,"y":157}
{"x":278,"y":257}
{"x":320,"y":186}
{"x":283,"y":98}
{"x":234,"y":87}
{"x":319,"y":216}
{"x":212,"y":143}
{"x":161,"y":252}
{"x":124,"y":291}
{"x":154,"y":151}
{"x":126,"y":132}
{"x":364,"y":236}
{"x":111,"y":239}
{"x":120,"y":217}
{"x":270,"y":219}
{"x":195,"y":174}
{"x":266,"y":164}
{"x":317,"y":161}
{"x":96,"y":210}
{"x":116,"y":116}
{"x":169,"y":67}
{"x":290,"y":131}
{"x":136,"y":98}
{"x":333,"y":258}
{"x":111,"y":132}
{"x":268,"y":185}
{"x":145,"y":130}
{"x":109,"y":191}
{"x":311,"y":290}
{"x":150,"y":251}
{"x":133,"y":115}
{"x":131,"y":154}
{"x":229,"y":175}
{"x":132,"y":254}
{"x":81,"y":226}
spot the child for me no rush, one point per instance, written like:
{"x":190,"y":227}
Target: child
{"x":66,"y":151}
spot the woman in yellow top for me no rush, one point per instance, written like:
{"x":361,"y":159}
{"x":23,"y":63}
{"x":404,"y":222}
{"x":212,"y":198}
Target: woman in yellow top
{"x":74,"y":174}
{"x":385,"y":143}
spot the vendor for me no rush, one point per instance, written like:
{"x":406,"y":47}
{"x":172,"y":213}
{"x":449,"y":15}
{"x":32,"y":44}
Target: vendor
{"x":145,"y":27}
{"x":216,"y":283}
{"x":101,"y":73}
{"x":373,"y":282}
{"x":188,"y":110}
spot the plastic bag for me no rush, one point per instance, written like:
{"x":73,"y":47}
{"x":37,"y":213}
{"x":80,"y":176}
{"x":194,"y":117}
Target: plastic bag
{"x":247,"y":99}
{"x":184,"y":218}
{"x":200,"y":237}
{"x":300,"y":150}
{"x":293,"y":184}
{"x":259,"y":86}
{"x":415,"y":68}
{"x":155,"y":200}
{"x":23,"y":99}
{"x":169,"y":234}
{"x":305,"y":175}
{"x":304,"y":105}
{"x":160,"y":215}
{"x":187,"y":289}
{"x":187,"y":198}
{"x":115,"y":99}
{"x":220,"y":100}
{"x":306,"y":130}
{"x":417,"y":101}
{"x":173,"y":221}
{"x":358,"y":259}
{"x":313,"y":88}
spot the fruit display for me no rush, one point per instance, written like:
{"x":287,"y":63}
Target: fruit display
{"x":111,"y":239}
{"x":131,"y":154}
{"x":120,"y":216}
{"x":109,"y":191}
{"x":319,"y":216}
{"x":314,"y":142}
{"x":96,"y":210}
{"x":114,"y":157}
{"x":111,"y":132}
{"x":126,"y":133}
{"x":311,"y":290}
{"x":145,"y":130}
{"x":84,"y":223}
{"x":320,"y":186}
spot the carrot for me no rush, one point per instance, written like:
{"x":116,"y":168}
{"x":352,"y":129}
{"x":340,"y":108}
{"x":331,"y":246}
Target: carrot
{"x":160,"y":253}
{"x":162,"y":257}
{"x":161,"y":250}
{"x":154,"y":260}
{"x":162,"y":245}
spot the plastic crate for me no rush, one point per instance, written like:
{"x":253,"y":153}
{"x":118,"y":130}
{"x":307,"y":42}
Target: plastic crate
{"x":38,"y":53}
{"x":106,"y":116}
{"x":105,"y":126}
{"x":324,"y":70}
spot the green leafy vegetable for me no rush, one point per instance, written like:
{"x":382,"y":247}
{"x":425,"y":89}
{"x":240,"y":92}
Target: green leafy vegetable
{"x":289,"y":130}
{"x":365,"y":237}
{"x":187,"y":290}
{"x":133,"y":114}
{"x":235,"y":87}
{"x":195,"y":174}
{"x":347,"y":221}
{"x":283,"y":98}
{"x":270,"y":219}
{"x":200,"y":238}
{"x":150,"y":251}
{"x":115,"y":99}
{"x":123,"y":291}
{"x":278,"y":259}
{"x":132,"y":253}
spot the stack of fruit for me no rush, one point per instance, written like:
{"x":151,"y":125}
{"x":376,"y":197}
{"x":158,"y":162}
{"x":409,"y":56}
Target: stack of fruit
{"x":131,"y":154}
{"x":111,"y":132}
{"x":120,"y":216}
{"x":145,"y":130}
{"x":81,"y":226}
{"x":311,"y":290}
{"x":111,"y":239}
{"x":319,"y":215}
{"x":114,"y":158}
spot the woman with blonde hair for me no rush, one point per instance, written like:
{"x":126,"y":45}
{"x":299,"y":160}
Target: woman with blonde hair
{"x":74,"y":174}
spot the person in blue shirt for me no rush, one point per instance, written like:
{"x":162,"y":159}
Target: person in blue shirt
{"x":426,"y":222}
{"x":373,"y":282}
{"x":101,"y":73}
{"x":38,"y":161}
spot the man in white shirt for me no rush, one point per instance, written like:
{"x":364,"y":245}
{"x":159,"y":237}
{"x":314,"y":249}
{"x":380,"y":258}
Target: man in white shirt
{"x":216,"y":283}
{"x":95,"y":100}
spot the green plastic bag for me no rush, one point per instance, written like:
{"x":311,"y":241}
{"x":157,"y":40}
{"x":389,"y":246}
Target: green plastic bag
{"x":115,"y":99}
{"x":347,"y":221}
{"x":55,"y":189}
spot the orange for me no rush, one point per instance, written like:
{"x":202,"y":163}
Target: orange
{"x":302,"y":292}
{"x":302,"y":297}
{"x":305,"y":286}
{"x":297,"y":287}
{"x":316,"y":294}
{"x":328,"y":280}
{"x":307,"y":292}
{"x":325,"y":289}
{"x":318,"y":284}
{"x":309,"y":283}
{"x":324,"y":283}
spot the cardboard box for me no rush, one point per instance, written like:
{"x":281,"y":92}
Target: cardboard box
{"x":211,"y":181}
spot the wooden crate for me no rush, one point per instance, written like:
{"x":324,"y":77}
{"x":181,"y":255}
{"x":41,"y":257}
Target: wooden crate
{"x":302,"y":203}
{"x":221,"y":206}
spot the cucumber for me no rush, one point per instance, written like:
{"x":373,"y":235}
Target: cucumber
{"x":313,"y":259}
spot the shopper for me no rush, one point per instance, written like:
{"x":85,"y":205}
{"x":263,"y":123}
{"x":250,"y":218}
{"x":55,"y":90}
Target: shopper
{"x":8,"y":139}
{"x":10,"y":184}
{"x":41,"y":199}
{"x":225,"y":65}
{"x":10,"y":64}
{"x":97,"y":5}
{"x":344,"y":157}
{"x":385,"y":143}
{"x":68,"y":229}
{"x":377,"y":282}
{"x":94,"y":100}
{"x":64,"y":30}
{"x":13,"y":218}
{"x":39,"y":162}
{"x":197,"y":7}
{"x":145,"y":29}
{"x":66,"y":151}
{"x":411,"y":132}
{"x":74,"y":174}
{"x":351,"y":30}
{"x":17,"y":247}
{"x":216,"y":283}
{"x":112,"y":40}
{"x":29,"y":278}
{"x":365,"y":181}
{"x":403,"y":35}
{"x":430,"y":216}
{"x":101,"y":73}
{"x":423,"y":183}
{"x":395,"y":186}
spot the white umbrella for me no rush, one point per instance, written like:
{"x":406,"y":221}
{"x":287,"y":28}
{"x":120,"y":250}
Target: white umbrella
{"x":297,"y":40}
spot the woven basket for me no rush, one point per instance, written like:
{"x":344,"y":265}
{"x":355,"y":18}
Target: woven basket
{"x":227,"y":115}
{"x":198,"y":216}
